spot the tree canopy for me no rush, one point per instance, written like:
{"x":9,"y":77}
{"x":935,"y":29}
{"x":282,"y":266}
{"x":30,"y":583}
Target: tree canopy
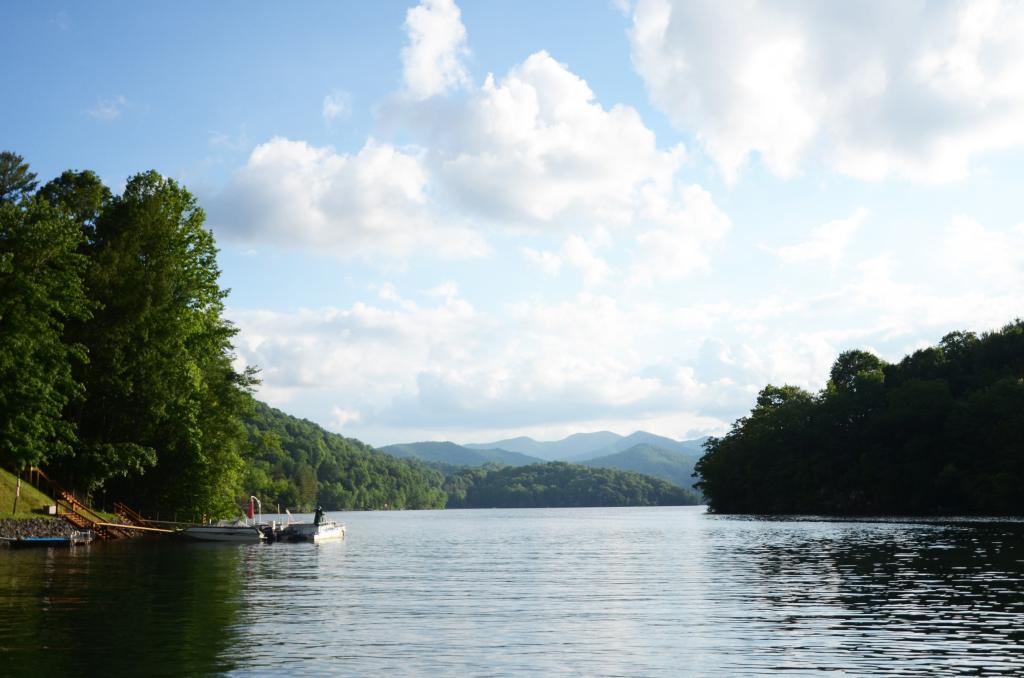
{"x":41,"y":290}
{"x":297,"y":464}
{"x":115,"y":358}
{"x":937,"y":433}
{"x":558,"y":484}
{"x":16,"y":179}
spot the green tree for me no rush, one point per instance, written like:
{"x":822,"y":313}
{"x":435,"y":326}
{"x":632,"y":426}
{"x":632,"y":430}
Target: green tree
{"x":937,"y":433}
{"x":16,"y":179}
{"x":40,"y":290}
{"x":852,"y":370}
{"x":82,"y":194}
{"x":161,"y":391}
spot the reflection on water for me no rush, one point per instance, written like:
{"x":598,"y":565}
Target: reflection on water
{"x":633,"y":592}
{"x":123,"y":609}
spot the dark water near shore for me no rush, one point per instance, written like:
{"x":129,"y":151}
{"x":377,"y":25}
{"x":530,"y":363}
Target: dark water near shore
{"x":624,"y":592}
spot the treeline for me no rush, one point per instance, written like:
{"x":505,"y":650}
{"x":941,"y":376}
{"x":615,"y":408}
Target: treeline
{"x":941,"y":432}
{"x":558,"y":484}
{"x":297,"y":464}
{"x":115,"y":358}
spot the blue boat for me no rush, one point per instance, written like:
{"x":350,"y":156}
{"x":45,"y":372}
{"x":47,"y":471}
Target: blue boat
{"x":45,"y":542}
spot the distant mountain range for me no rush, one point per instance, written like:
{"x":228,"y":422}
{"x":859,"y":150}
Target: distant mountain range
{"x":458,"y":455}
{"x":670,"y":465}
{"x":641,"y":452}
{"x":583,"y":446}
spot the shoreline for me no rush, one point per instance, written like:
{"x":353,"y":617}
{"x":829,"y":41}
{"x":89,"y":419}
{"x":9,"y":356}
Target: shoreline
{"x":12,"y":528}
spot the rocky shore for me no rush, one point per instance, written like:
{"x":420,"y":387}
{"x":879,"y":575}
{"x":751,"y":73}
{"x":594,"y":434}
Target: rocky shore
{"x":12,"y":528}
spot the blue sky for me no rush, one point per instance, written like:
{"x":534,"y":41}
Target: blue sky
{"x":476,"y":220}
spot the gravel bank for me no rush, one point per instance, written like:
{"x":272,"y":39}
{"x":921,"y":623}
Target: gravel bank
{"x":35,"y":527}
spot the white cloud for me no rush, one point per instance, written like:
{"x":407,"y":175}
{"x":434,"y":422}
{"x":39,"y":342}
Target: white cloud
{"x":536,"y":149}
{"x":451,"y":367}
{"x":683,"y":227}
{"x":370,"y":204}
{"x":548,"y":262}
{"x":973,"y":252}
{"x":874,"y":90}
{"x":827,"y":242}
{"x":337,"y":104}
{"x":532,"y":151}
{"x":108,"y":109}
{"x":433,"y":60}
{"x":449,"y":289}
{"x":578,"y":254}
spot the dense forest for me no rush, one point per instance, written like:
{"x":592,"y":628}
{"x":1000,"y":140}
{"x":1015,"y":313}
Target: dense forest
{"x":940,"y":432}
{"x":115,"y":358}
{"x":295,"y":463}
{"x":558,"y":484}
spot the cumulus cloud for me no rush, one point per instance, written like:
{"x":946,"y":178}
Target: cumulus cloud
{"x":873,"y":89}
{"x":535,"y":148}
{"x":372,"y":203}
{"x":433,"y":59}
{"x":450,"y":366}
{"x":827,"y":242}
{"x":682,"y":229}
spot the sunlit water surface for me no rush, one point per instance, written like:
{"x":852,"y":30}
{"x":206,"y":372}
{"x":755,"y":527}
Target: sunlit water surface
{"x":590,"y":592}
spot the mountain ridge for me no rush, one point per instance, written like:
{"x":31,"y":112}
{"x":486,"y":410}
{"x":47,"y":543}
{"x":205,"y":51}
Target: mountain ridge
{"x":580,"y":447}
{"x":447,"y":452}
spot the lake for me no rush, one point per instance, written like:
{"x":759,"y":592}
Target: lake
{"x":589,"y":592}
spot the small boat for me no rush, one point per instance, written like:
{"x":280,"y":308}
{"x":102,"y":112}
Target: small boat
{"x":83,"y":537}
{"x":239,"y":531}
{"x":318,"y":531}
{"x":249,"y":534}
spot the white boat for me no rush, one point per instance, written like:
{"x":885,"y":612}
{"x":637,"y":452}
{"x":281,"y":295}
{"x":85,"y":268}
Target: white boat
{"x":238,"y":531}
{"x":224,"y":531}
{"x":318,"y":531}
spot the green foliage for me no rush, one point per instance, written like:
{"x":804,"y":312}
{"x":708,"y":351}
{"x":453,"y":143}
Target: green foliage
{"x":297,"y":464}
{"x":82,"y":195}
{"x":650,"y":460}
{"x":40,"y":291}
{"x":162,"y":395}
{"x":938,"y":433}
{"x":16,"y":180}
{"x":558,"y":484}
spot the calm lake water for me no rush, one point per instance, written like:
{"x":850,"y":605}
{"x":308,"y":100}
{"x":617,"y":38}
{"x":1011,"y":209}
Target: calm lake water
{"x":589,"y":592}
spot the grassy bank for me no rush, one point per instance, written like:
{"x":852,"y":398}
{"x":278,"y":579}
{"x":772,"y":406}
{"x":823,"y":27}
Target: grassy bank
{"x":31,"y":498}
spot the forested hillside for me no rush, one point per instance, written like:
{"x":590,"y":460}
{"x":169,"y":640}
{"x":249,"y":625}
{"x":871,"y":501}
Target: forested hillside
{"x":558,"y":484}
{"x":295,"y":463}
{"x":671,"y":466}
{"x":115,"y":358}
{"x":940,"y":432}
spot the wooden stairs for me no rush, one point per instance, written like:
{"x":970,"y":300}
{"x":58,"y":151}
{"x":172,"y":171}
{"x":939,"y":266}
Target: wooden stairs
{"x":84,"y":518}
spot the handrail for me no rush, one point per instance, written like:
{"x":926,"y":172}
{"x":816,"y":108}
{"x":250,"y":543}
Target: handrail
{"x":129,"y":514}
{"x":76,"y":512}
